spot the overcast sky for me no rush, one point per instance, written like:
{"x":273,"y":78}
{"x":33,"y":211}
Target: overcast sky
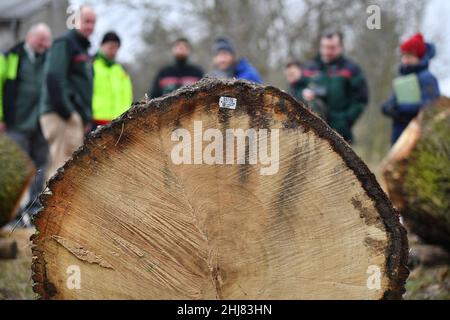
{"x":126,"y":22}
{"x":437,"y":27}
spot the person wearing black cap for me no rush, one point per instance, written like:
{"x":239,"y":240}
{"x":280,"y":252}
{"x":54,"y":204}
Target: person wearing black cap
{"x":113,"y":90}
{"x":177,"y":74}
{"x":227,"y":65}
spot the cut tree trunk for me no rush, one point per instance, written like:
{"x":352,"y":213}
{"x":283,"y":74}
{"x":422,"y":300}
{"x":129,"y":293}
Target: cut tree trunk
{"x":417,"y":174}
{"x":16,"y":174}
{"x":124,"y":219}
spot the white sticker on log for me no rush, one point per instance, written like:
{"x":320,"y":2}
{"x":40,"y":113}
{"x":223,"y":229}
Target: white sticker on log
{"x":228,"y":103}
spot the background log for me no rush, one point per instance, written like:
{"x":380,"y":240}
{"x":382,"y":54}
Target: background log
{"x":417,"y":174}
{"x":16,"y":173}
{"x":122,"y":220}
{"x":8,"y":248}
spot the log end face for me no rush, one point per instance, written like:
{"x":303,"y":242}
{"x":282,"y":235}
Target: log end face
{"x":125,"y":133}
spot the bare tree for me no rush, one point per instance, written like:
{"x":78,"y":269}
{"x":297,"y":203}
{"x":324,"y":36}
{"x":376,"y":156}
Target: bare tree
{"x":377,"y":52}
{"x":268,"y":32}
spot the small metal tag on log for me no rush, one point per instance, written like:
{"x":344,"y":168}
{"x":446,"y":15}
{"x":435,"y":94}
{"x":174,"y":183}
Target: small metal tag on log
{"x":228,"y":103}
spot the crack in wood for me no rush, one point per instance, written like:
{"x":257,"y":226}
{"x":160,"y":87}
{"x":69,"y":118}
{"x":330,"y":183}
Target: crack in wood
{"x":81,"y":253}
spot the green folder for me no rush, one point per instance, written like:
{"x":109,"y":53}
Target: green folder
{"x":407,"y":89}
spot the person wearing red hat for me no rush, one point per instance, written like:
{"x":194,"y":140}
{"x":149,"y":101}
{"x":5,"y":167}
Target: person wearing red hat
{"x":415,"y":87}
{"x":413,"y":47}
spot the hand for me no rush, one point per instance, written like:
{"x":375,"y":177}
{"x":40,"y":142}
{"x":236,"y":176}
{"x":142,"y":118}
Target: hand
{"x":2,"y":127}
{"x":309,"y":95}
{"x":87,"y":128}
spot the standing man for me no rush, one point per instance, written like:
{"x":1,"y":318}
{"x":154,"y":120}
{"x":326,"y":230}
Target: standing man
{"x":113,"y":92}
{"x":341,"y":84}
{"x":21,"y":72}
{"x":66,"y":104}
{"x":178,"y":74}
{"x":228,"y":65}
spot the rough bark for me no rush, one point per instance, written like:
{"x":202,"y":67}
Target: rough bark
{"x":139,"y":226}
{"x":417,"y":174}
{"x":16,"y":172}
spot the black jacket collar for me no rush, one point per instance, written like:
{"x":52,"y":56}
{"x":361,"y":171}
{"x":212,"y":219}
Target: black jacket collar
{"x":338,"y":61}
{"x":80,"y":39}
{"x":18,"y":49}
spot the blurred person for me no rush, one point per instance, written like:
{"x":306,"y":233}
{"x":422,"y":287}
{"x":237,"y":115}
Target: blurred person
{"x":340,"y":84}
{"x":113,"y":91}
{"x":21,"y":74}
{"x":178,"y":74}
{"x":66,"y":103}
{"x":228,"y":65}
{"x":297,"y":84}
{"x":415,"y":87}
{"x":293,"y":74}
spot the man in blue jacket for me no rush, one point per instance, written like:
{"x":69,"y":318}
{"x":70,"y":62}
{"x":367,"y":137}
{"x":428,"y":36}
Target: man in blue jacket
{"x":415,"y":58}
{"x":227,"y":64}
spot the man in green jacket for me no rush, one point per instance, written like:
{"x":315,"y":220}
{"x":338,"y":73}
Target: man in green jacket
{"x":66,"y":103}
{"x":339,"y":83}
{"x":113,"y":91}
{"x":21,"y":71}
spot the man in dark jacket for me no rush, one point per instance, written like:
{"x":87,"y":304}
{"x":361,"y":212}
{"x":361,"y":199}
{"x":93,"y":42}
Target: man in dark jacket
{"x":228,"y":65}
{"x":21,"y":71}
{"x":339,"y":82}
{"x":178,"y":74}
{"x":66,"y":103}
{"x":415,"y":58}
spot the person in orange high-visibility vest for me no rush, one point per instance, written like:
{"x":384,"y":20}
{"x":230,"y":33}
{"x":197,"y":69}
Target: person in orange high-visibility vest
{"x":112,"y":94}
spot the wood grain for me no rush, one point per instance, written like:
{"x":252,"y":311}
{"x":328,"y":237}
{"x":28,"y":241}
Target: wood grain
{"x":167,"y":231}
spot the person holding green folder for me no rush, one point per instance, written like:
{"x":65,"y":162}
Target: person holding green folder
{"x":415,"y":87}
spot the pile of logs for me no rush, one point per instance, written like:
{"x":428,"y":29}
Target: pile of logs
{"x":417,"y":174}
{"x":167,"y":202}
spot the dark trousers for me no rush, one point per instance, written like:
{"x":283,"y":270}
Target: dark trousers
{"x":35,"y":145}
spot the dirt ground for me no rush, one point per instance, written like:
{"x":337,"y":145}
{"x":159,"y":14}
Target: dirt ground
{"x":429,"y":271}
{"x":429,"y":279}
{"x":15,"y":275}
